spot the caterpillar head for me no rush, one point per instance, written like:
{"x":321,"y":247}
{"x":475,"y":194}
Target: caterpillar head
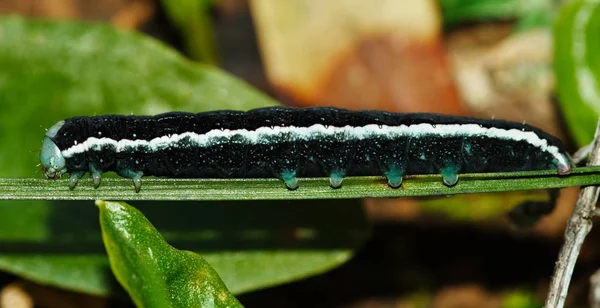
{"x":52,"y":160}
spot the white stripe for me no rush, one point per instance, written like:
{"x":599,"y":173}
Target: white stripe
{"x":264,"y":135}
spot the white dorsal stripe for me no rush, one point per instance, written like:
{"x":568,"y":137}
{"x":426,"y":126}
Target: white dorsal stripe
{"x":264,"y":135}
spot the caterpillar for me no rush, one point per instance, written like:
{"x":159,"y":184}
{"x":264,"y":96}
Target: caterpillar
{"x":291,"y":143}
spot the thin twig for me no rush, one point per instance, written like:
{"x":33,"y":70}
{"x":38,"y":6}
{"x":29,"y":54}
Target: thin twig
{"x":578,"y":227}
{"x":582,"y":154}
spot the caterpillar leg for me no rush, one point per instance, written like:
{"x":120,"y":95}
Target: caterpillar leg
{"x":75,"y":176}
{"x":290,"y":179}
{"x":394,"y":178}
{"x":450,"y":176}
{"x":96,"y":175}
{"x":336,"y":179}
{"x":136,"y":176}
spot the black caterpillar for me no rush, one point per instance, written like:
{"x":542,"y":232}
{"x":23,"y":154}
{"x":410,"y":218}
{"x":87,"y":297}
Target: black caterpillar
{"x":289,"y":143}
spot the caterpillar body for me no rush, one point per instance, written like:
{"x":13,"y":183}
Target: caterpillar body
{"x":290,"y":143}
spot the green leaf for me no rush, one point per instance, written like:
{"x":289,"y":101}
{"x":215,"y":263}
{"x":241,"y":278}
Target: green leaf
{"x":154,"y":273}
{"x":533,"y":13}
{"x":194,"y":21}
{"x":53,"y":70}
{"x":521,"y":298}
{"x":577,"y":67}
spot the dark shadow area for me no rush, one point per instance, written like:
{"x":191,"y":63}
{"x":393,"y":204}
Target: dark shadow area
{"x":405,"y":259}
{"x":212,"y":226}
{"x":161,"y":28}
{"x":238,"y":46}
{"x":5,"y":278}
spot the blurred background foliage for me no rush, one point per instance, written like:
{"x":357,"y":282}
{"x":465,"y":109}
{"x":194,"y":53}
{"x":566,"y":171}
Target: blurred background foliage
{"x":517,"y":60}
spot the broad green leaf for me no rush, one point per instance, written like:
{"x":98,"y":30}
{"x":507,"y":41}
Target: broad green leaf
{"x":52,"y":70}
{"x":154,"y":273}
{"x":577,"y":66}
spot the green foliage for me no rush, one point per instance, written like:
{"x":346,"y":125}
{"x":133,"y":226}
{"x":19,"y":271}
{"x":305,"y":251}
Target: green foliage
{"x":54,"y":70}
{"x":577,"y":67}
{"x":194,"y":21}
{"x":520,"y":298}
{"x":154,"y":273}
{"x":530,"y":14}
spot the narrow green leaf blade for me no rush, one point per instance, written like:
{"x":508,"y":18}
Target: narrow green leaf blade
{"x":577,"y":66}
{"x":310,"y":188}
{"x":154,"y":273}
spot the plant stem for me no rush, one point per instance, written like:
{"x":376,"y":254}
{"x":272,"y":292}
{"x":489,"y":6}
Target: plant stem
{"x":578,"y":227}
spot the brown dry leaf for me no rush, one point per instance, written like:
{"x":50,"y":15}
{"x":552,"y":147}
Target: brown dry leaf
{"x":356,"y":54}
{"x":14,"y":296}
{"x":465,"y":297}
{"x":133,"y":14}
{"x":392,"y":210}
{"x":122,"y":13}
{"x":24,"y":294}
{"x":62,"y":9}
{"x":506,"y":75}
